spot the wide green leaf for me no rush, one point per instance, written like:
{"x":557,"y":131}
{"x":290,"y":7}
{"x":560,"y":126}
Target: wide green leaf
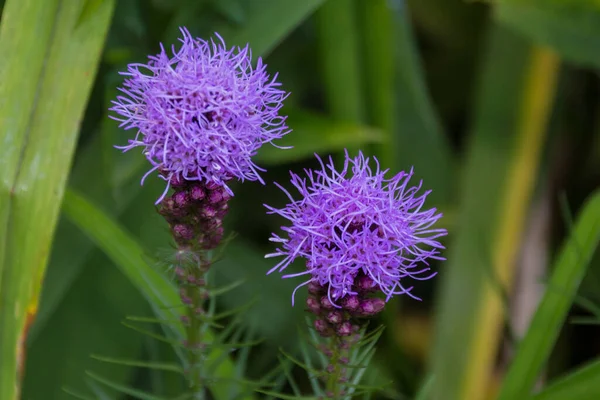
{"x":514,"y":105}
{"x":313,"y":133}
{"x":398,"y":99}
{"x":128,"y":255}
{"x":570,"y":27}
{"x":46,"y":81}
{"x":340,"y":61}
{"x":87,"y":320}
{"x":569,"y":269}
{"x":267,"y":22}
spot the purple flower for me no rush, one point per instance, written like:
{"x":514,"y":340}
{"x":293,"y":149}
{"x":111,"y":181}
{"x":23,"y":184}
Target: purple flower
{"x":356,"y":226}
{"x":201,"y":114}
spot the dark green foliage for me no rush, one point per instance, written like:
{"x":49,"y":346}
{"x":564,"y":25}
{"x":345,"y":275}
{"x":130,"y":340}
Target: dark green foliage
{"x":446,"y":86}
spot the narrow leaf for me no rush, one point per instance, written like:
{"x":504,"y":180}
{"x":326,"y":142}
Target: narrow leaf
{"x":583,"y":384}
{"x":137,"y":394}
{"x":51,"y":58}
{"x":78,"y":395}
{"x":268,"y":22}
{"x":126,"y":253}
{"x":340,"y":60}
{"x":138,"y":363}
{"x":572,"y":28}
{"x":517,"y":88}
{"x":569,"y":269}
{"x":318,"y":134}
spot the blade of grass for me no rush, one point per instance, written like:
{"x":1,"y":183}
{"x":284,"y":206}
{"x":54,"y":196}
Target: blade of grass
{"x":376,"y":25}
{"x":86,"y":321}
{"x":517,"y":91}
{"x":314,"y":133}
{"x":127,"y":254}
{"x":569,"y":269}
{"x":268,"y":23}
{"x":338,"y":51}
{"x":54,"y":55}
{"x":426,"y":388}
{"x":583,"y":384}
{"x":398,"y":100}
{"x":572,"y":28}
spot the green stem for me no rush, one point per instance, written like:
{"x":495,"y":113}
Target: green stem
{"x":333,"y":381}
{"x":195,"y":292}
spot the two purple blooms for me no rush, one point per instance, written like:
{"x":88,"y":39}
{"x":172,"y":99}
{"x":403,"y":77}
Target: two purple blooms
{"x":203,"y":113}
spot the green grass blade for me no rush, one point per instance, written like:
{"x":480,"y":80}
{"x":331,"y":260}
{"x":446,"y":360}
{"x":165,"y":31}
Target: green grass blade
{"x":268,"y":22}
{"x":572,"y":28}
{"x":127,"y":254}
{"x":77,"y":395}
{"x":426,"y":388}
{"x":516,"y":94}
{"x":136,"y":394}
{"x":569,"y":269}
{"x":137,"y":363}
{"x":339,"y":59}
{"x":314,"y":133}
{"x":46,"y":82}
{"x":376,"y":24}
{"x":399,"y":100}
{"x":583,"y":384}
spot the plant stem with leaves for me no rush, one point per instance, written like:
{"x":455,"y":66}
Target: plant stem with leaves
{"x":195,"y":214}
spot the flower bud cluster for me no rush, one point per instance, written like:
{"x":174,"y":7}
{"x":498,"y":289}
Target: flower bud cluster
{"x":195,"y":213}
{"x":341,"y":320}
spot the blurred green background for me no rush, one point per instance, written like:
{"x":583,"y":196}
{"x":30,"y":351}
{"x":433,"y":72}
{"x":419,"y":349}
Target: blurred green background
{"x":494,"y":103}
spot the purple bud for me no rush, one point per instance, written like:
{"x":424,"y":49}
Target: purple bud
{"x":325,"y":303}
{"x":180,"y":273}
{"x":223,"y":210}
{"x":366,"y":283}
{"x":344,"y":360}
{"x":182,"y":231}
{"x":199,"y":311}
{"x":212,"y":241}
{"x":213,"y":224}
{"x":345,"y":329}
{"x":335,"y":317}
{"x":321,"y":327}
{"x":330,"y":368}
{"x":191,"y":279}
{"x":212,"y":185}
{"x":196,"y":193}
{"x":371,"y":306}
{"x":215,"y":196}
{"x":208,"y":212}
{"x":181,"y":199}
{"x":351,"y":303}
{"x":315,"y":288}
{"x":185,"y":320}
{"x":177,"y":181}
{"x":225,"y":196}
{"x":167,"y":206}
{"x":313,"y":305}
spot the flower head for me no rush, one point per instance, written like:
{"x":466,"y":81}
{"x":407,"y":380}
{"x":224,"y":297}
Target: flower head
{"x":202,"y":113}
{"x":357,"y":230}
